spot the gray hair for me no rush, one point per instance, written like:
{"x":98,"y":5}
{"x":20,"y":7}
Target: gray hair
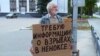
{"x":49,"y":5}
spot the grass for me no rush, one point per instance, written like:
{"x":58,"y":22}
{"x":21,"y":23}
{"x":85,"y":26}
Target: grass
{"x":86,"y":16}
{"x":83,"y":25}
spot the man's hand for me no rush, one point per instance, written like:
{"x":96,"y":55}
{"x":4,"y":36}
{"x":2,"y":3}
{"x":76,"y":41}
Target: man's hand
{"x":32,"y":51}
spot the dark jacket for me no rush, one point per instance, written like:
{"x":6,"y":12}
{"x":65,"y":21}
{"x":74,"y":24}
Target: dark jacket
{"x":46,"y":19}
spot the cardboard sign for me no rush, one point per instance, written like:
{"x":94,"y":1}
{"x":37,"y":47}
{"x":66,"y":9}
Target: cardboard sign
{"x":52,"y":40}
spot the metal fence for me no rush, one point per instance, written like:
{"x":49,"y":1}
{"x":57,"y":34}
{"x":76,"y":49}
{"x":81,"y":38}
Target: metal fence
{"x":96,"y":41}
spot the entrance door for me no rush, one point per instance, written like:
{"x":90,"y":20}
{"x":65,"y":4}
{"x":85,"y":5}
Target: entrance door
{"x":23,"y":6}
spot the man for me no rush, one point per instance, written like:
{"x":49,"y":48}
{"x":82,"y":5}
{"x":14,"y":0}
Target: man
{"x":51,"y":17}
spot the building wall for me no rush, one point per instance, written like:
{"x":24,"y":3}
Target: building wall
{"x":62,"y":5}
{"x":6,"y":6}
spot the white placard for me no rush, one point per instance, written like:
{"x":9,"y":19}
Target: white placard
{"x":80,"y":3}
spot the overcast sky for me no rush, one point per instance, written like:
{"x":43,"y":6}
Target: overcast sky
{"x":98,"y":4}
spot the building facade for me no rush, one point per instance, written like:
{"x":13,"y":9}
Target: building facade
{"x":28,"y":6}
{"x":18,"y":6}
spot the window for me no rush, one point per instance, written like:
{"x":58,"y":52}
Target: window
{"x":22,"y":3}
{"x":32,"y":5}
{"x":12,"y":1}
{"x":12,"y":5}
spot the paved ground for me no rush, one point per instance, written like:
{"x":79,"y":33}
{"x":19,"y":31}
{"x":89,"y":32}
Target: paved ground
{"x":96,"y":24}
{"x":85,"y":43}
{"x":13,"y":40}
{"x":16,"y":42}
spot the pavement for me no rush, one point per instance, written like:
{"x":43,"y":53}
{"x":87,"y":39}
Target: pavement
{"x":96,"y":24}
{"x":85,"y":43}
{"x":15,"y":38}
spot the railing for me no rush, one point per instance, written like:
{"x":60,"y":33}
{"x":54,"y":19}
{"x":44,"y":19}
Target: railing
{"x":96,"y":41}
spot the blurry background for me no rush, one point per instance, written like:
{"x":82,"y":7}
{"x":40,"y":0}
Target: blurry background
{"x":17,"y":17}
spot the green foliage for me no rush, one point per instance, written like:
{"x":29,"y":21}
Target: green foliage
{"x":86,"y":16}
{"x":70,"y":10}
{"x":95,"y":9}
{"x":89,"y":6}
{"x":41,"y":5}
{"x":87,"y":10}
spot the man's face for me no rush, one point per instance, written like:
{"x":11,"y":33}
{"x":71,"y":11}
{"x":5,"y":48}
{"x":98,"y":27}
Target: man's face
{"x":54,"y":10}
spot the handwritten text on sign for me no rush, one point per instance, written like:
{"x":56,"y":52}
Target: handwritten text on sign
{"x":51,"y":38}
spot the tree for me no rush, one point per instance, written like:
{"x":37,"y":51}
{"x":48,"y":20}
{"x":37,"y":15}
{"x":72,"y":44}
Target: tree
{"x":69,"y":7}
{"x":89,"y":6}
{"x":96,"y":8}
{"x":41,"y":6}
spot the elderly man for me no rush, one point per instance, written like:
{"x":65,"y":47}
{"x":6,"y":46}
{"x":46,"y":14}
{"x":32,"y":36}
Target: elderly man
{"x":50,"y":18}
